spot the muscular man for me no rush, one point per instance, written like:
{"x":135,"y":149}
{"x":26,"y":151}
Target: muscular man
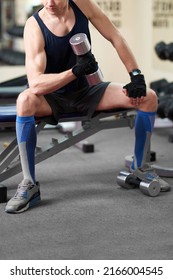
{"x":57,"y":84}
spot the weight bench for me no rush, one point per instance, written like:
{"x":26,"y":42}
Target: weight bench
{"x":9,"y":157}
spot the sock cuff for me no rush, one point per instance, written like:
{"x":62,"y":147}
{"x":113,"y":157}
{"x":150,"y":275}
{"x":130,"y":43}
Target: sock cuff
{"x":146,"y":113}
{"x":25,"y":119}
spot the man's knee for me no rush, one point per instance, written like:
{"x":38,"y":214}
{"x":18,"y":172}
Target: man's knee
{"x":26,"y":104}
{"x":152,"y":100}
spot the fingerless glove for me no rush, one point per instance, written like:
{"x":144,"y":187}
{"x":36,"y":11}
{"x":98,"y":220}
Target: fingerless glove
{"x":137,"y":87}
{"x":85,"y":65}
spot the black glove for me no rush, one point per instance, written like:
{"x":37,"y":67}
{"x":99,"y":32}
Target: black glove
{"x":85,"y":65}
{"x":137,"y":87}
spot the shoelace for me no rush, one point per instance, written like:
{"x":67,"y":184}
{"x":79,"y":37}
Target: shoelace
{"x":20,"y":192}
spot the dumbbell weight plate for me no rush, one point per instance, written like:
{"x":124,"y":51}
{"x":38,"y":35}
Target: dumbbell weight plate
{"x":80,"y":44}
{"x":150,"y":188}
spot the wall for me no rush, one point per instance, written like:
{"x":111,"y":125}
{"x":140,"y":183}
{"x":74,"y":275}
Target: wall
{"x":135,"y":20}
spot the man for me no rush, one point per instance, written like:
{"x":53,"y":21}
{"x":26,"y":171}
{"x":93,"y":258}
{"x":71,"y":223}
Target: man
{"x":57,"y":84}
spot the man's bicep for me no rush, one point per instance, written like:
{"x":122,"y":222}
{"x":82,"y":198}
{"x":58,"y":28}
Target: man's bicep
{"x":35,"y":57}
{"x":35,"y":65}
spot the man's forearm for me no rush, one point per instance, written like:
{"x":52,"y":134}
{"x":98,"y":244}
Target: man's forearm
{"x":125,"y":55}
{"x":47,"y":83}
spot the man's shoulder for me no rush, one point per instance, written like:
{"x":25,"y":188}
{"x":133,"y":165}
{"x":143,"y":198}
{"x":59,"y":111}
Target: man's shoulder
{"x":31,"y":22}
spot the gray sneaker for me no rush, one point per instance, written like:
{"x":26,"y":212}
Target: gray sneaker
{"x":27,"y":195}
{"x":147,"y":173}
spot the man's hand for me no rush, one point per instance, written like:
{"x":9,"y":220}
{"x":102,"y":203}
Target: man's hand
{"x":85,"y":65}
{"x":136,"y":90}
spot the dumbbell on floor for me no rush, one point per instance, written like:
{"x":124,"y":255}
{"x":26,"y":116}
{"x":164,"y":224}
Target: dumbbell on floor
{"x":129,"y":181}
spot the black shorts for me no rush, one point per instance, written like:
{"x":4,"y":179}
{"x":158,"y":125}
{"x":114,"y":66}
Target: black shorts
{"x":83,"y":101}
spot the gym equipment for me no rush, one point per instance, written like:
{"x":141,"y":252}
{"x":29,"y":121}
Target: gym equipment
{"x":81,"y":46}
{"x":164,"y":51}
{"x":9,"y":158}
{"x":129,"y":181}
{"x":84,"y":145}
{"x":170,"y":51}
{"x":161,"y":50}
{"x":162,"y":87}
{"x":164,"y":90}
{"x":159,"y":86}
{"x":165,"y":107}
{"x":3,"y":194}
{"x":170,"y":110}
{"x":16,"y":31}
{"x":12,"y":57}
{"x":9,"y":90}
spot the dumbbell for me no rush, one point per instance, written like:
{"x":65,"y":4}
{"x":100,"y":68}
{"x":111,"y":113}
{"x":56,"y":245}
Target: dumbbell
{"x":165,"y":107}
{"x":170,"y":110}
{"x":129,"y":181}
{"x":81,"y":46}
{"x":170,"y":51}
{"x":162,"y":107}
{"x":159,"y":86}
{"x":161,"y":50}
{"x":164,"y":51}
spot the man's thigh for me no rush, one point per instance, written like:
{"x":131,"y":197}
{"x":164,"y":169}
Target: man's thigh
{"x":43,"y":108}
{"x":114,"y":97}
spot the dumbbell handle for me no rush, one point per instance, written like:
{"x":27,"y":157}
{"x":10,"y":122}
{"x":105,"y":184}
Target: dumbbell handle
{"x":81,"y":46}
{"x":133,"y":181}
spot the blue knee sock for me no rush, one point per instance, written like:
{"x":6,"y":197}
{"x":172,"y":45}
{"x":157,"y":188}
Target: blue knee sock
{"x":26,"y":137}
{"x":143,"y":129}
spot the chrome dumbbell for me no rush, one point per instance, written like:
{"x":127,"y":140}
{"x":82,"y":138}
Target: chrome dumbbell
{"x":129,"y":181}
{"x":81,"y":46}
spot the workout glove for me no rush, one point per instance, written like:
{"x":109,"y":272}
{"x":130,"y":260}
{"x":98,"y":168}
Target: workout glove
{"x":85,"y":65}
{"x":137,"y":87}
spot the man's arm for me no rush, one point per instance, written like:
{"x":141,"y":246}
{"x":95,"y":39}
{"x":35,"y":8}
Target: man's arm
{"x":35,"y":62}
{"x":103,"y":24}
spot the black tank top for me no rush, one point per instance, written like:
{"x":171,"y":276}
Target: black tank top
{"x":60,"y":56}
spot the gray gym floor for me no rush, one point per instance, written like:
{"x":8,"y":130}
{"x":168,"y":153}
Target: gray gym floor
{"x":84,"y":214}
